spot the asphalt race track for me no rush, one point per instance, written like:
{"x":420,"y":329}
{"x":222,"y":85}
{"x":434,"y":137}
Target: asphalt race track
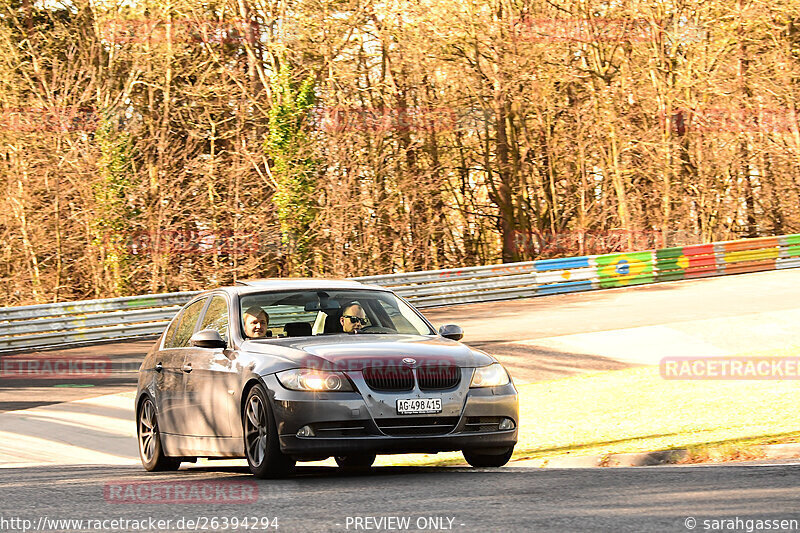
{"x":658,"y":499}
{"x":538,"y":339}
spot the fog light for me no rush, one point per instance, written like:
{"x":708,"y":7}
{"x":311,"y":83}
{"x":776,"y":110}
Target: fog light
{"x":507,"y":423}
{"x":305,"y":431}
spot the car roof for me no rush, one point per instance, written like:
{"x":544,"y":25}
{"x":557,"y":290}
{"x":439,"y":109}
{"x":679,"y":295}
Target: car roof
{"x":251,"y":286}
{"x":300,"y":283}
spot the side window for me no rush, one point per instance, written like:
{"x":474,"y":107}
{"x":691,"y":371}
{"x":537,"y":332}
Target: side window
{"x":171,"y":331}
{"x":186,"y":326}
{"x":217,"y":317}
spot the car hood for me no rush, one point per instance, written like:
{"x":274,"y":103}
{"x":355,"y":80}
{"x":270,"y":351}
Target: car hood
{"x":354,"y":352}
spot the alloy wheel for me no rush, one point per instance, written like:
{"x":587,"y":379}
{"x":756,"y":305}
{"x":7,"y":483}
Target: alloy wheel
{"x":256,"y":430}
{"x":148,"y":430}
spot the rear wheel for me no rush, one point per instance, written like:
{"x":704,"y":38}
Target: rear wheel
{"x":261,"y":437}
{"x":150,"y":450}
{"x":355,"y":462}
{"x":480,"y":459}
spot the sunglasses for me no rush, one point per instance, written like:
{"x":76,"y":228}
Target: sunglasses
{"x":356,"y":319}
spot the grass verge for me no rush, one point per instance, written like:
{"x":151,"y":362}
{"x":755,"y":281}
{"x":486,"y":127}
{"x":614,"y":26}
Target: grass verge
{"x":636,"y":410}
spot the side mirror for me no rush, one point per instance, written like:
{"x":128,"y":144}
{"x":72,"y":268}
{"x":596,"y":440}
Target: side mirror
{"x":207,"y":338}
{"x":451,"y":331}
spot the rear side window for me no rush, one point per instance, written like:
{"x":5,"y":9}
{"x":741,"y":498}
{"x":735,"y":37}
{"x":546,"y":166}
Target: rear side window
{"x":188,"y":320}
{"x":217,"y":317}
{"x":171,"y":331}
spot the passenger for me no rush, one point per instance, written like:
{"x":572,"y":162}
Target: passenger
{"x":255,"y":322}
{"x":353,"y":318}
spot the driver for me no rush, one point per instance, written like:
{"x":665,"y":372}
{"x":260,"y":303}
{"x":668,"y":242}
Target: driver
{"x":255,"y":322}
{"x":353,"y":318}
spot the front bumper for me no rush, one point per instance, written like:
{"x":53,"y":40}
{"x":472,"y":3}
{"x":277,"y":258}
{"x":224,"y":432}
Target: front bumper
{"x":318,"y":447}
{"x":345,"y":423}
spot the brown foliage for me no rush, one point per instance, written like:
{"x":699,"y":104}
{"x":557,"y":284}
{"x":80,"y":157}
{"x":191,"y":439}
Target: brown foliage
{"x":132,"y":154}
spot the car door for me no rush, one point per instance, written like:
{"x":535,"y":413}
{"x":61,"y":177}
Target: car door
{"x":168,"y":378}
{"x":171,"y":385}
{"x":209,"y":378}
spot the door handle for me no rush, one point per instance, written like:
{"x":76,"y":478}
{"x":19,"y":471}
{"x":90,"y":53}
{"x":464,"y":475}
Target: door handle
{"x":187,"y":367}
{"x":159,"y":367}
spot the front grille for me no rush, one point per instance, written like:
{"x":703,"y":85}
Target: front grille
{"x":389,"y":378}
{"x":482,"y":423}
{"x":417,"y":425}
{"x":438,"y":377}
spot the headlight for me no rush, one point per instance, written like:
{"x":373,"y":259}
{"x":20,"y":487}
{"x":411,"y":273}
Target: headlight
{"x":493,"y":375}
{"x":307,"y":379}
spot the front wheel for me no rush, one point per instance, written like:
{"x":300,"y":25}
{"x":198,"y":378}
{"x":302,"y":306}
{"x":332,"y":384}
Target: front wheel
{"x":261,"y":444}
{"x":150,"y":449}
{"x":483,"y":460}
{"x":355,"y":462}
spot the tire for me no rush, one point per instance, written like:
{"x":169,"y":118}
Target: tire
{"x":355,"y":462}
{"x":260,"y":434}
{"x":150,"y":450}
{"x":482,"y":460}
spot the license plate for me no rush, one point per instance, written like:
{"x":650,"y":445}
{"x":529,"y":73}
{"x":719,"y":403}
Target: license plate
{"x":416,"y":406}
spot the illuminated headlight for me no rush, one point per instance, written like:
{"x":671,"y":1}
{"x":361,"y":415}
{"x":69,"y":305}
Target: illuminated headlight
{"x":307,"y":379}
{"x":493,"y":375}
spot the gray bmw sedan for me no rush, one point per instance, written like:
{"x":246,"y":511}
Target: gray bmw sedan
{"x":287,"y":370}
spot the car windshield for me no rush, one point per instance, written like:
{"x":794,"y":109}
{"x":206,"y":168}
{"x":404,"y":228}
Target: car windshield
{"x":301,"y":313}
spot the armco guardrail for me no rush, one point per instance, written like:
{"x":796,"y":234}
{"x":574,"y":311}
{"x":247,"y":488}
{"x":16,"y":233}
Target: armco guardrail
{"x":87,"y":321}
{"x":122,"y":318}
